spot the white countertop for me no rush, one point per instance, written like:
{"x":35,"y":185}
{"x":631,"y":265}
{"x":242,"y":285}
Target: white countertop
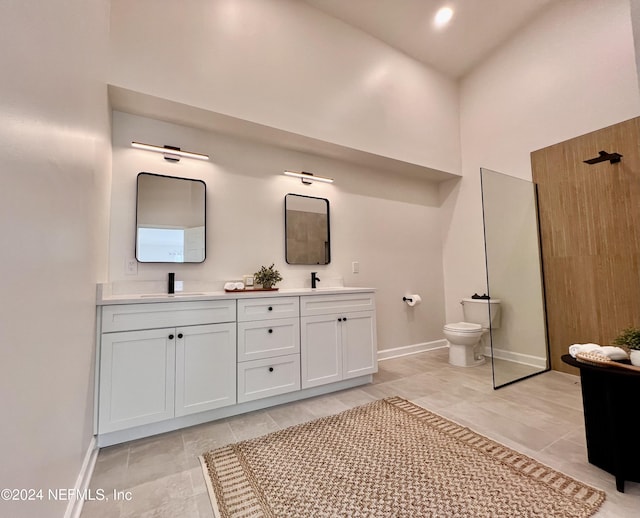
{"x":104,"y":299}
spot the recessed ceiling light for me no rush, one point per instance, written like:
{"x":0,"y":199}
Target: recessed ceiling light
{"x":443,"y":16}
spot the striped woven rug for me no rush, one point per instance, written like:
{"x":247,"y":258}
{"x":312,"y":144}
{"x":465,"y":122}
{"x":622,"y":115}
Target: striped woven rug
{"x":388,"y":458}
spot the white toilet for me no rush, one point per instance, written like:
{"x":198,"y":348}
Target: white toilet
{"x":466,"y":339}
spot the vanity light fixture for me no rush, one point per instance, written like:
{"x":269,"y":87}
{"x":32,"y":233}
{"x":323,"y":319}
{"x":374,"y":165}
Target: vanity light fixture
{"x":307,"y":178}
{"x":170,"y":153}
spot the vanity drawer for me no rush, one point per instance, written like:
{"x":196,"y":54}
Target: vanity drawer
{"x":311,"y":305}
{"x":268,"y":308}
{"x":268,"y":338}
{"x":128,"y":317}
{"x":268,"y":377}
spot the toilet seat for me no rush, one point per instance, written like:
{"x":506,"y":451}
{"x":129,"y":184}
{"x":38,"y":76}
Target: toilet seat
{"x":463,"y":327}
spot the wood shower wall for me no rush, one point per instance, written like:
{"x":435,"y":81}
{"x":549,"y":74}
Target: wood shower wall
{"x":590,"y":236}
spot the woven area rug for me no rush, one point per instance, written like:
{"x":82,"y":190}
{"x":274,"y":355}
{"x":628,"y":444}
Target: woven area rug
{"x":387,"y":458}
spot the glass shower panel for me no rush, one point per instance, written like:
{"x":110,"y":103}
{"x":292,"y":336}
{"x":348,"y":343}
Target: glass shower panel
{"x":512,"y":250}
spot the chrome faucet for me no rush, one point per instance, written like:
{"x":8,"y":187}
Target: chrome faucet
{"x":314,"y":279}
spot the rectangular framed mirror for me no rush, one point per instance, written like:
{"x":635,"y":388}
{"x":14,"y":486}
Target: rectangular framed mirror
{"x":307,"y":234}
{"x":170,"y":219}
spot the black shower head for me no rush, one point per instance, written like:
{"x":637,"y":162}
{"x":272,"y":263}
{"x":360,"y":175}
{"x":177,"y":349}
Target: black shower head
{"x":614,"y":158}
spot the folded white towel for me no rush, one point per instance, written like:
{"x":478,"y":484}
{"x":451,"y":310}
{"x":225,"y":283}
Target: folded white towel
{"x":582,"y":348}
{"x":239,"y":285}
{"x":611,"y":351}
{"x":229,"y":285}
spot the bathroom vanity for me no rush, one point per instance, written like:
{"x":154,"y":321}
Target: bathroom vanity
{"x":166,"y":362}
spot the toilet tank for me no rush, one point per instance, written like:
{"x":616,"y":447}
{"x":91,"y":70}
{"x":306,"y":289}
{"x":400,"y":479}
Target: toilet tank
{"x":477,"y":311}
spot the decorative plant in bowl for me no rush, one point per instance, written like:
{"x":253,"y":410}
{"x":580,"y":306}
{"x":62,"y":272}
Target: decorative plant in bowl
{"x":267,"y":277}
{"x":630,"y":338}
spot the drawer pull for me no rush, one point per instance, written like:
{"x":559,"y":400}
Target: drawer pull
{"x":340,"y":320}
{"x":180,"y":335}
{"x":170,"y":337}
{"x":344,"y":319}
{"x":270,"y":308}
{"x":270,"y":330}
{"x":270,"y":369}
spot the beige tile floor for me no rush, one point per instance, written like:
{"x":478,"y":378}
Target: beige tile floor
{"x":507,"y":371}
{"x":540,"y":417}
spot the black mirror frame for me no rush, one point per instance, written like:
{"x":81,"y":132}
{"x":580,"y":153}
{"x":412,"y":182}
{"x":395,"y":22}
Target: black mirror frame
{"x":328,"y":229}
{"x":135,"y":234}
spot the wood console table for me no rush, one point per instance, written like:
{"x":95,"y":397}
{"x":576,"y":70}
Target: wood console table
{"x":610,"y":401}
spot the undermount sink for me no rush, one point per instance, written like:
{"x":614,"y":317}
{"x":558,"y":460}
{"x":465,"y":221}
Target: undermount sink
{"x":170,"y":295}
{"x":323,"y":288}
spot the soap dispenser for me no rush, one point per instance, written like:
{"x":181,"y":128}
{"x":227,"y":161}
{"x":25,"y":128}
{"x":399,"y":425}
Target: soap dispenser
{"x":171,"y":287}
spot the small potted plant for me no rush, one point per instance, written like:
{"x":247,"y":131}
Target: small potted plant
{"x":267,"y":277}
{"x":630,"y":338}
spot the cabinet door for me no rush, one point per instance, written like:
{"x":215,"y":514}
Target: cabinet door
{"x":205,"y":367}
{"x":320,"y":350}
{"x":137,"y":375}
{"x":359,"y":344}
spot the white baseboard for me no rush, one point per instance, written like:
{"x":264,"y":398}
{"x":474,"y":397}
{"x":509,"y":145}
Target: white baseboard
{"x":74,"y":507}
{"x":525,"y":359}
{"x":501,"y":354}
{"x":406,"y":350}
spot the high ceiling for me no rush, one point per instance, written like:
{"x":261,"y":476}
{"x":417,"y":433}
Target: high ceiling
{"x":476,"y":29}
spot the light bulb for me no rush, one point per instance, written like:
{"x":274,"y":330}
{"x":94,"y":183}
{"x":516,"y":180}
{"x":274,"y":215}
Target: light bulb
{"x":443,"y":16}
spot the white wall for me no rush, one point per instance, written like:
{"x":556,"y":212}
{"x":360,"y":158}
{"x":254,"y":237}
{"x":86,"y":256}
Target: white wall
{"x":389,"y":225}
{"x":287,"y":65}
{"x":635,"y":23}
{"x":54,"y":143}
{"x":571,"y":71}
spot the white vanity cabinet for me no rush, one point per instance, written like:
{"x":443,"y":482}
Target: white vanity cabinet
{"x":159,"y":361}
{"x":268,"y":347}
{"x":338,"y":338}
{"x":168,"y":363}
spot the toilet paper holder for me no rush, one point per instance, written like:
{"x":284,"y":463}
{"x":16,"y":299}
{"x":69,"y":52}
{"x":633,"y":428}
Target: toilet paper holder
{"x":412,"y":299}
